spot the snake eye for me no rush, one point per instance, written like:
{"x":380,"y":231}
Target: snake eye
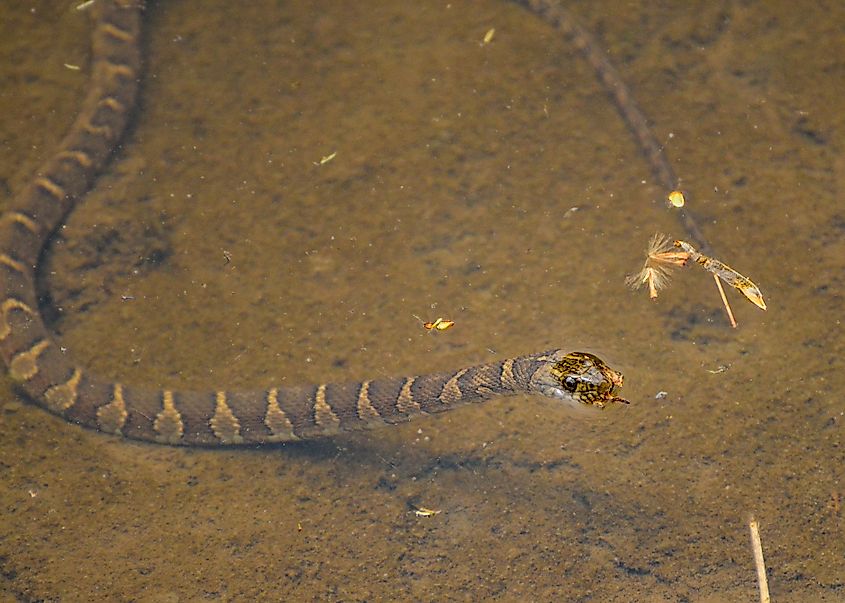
{"x":570,"y":383}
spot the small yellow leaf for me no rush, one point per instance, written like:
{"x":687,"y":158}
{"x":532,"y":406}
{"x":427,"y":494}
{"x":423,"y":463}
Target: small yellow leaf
{"x":676,"y":199}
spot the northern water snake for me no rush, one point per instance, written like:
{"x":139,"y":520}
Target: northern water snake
{"x":51,"y":378}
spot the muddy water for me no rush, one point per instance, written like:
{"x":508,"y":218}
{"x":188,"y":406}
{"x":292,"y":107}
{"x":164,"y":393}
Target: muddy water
{"x":219,"y":251}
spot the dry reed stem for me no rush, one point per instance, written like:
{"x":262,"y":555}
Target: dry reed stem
{"x":757,"y":548}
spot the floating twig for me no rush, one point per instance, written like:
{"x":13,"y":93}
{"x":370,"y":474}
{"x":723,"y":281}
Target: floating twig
{"x":325,"y":159}
{"x":741,"y":283}
{"x":757,"y":549}
{"x":663,"y":256}
{"x":725,"y":301}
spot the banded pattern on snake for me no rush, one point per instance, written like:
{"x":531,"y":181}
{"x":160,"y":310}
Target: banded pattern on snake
{"x":51,"y":379}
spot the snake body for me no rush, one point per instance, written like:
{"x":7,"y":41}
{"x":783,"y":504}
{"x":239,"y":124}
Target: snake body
{"x":50,"y":377}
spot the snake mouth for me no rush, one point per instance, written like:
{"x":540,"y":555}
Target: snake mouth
{"x":612,"y":398}
{"x":610,"y":394}
{"x":616,"y":378}
{"x":609,"y":399}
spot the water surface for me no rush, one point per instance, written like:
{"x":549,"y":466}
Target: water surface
{"x":217,"y":251}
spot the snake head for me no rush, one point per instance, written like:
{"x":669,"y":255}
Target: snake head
{"x":580,"y":378}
